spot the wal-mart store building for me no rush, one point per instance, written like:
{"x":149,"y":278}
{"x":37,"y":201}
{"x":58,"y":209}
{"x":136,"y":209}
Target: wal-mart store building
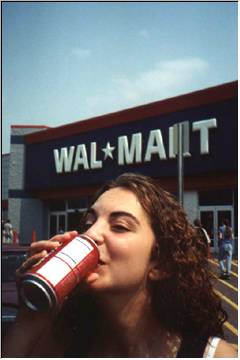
{"x":54,"y":171}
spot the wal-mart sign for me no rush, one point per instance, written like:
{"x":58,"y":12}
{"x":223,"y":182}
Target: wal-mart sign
{"x":128,"y":150}
{"x":145,"y":146}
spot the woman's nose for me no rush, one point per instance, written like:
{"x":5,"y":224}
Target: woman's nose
{"x":96,"y":233}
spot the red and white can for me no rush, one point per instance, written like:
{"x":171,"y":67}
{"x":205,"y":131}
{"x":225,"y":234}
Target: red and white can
{"x":47,"y":284}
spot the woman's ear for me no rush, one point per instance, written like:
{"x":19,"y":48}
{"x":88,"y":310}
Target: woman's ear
{"x":155,"y":272}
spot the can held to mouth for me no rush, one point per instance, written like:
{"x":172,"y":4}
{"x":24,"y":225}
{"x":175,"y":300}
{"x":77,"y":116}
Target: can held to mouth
{"x":46,"y":285}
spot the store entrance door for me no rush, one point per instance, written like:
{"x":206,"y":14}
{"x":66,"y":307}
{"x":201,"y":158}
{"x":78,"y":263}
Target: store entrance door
{"x":57,"y":223}
{"x":211,"y":218}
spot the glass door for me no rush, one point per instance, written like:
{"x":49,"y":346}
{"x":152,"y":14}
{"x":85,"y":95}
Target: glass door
{"x":207,"y":221}
{"x":212,"y":218}
{"x":57,"y":223}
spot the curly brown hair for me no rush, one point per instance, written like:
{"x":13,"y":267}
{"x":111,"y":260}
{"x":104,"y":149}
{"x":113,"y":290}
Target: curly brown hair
{"x":183,"y":299}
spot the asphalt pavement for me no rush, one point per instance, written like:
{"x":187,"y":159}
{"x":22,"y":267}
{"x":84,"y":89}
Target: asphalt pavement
{"x":227,"y":290}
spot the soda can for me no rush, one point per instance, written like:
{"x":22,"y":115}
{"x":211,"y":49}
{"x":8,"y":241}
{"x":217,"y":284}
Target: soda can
{"x":46,"y":285}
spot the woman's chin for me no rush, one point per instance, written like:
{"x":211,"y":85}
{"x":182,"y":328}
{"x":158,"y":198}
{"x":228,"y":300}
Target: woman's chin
{"x":91,"y":278}
{"x":96,"y":283}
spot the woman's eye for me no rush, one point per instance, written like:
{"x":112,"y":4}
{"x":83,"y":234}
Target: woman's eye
{"x":119,"y":228}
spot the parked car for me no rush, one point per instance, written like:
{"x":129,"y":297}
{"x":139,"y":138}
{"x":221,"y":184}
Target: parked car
{"x":12,"y":257}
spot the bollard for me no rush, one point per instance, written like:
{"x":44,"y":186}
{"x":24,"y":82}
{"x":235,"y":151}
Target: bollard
{"x":34,"y":235}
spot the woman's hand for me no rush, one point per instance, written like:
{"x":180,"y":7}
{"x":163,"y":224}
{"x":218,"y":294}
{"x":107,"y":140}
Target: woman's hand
{"x":31,"y":331}
{"x":40,"y":249}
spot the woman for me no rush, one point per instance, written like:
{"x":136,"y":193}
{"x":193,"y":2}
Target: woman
{"x":225,"y":250}
{"x":150,"y":295}
{"x":206,"y":241}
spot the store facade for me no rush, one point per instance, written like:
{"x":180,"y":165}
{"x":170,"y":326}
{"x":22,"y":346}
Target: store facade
{"x":54,"y":172}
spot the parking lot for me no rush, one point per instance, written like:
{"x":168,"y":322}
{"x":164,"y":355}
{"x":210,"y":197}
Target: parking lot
{"x":228,"y":292}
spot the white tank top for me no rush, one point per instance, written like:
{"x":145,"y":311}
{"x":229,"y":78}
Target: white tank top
{"x":211,"y":347}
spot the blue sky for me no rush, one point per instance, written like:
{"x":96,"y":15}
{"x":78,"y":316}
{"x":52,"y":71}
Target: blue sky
{"x":64,"y":62}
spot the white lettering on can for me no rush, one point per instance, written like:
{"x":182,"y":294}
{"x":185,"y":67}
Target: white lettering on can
{"x":62,"y":263}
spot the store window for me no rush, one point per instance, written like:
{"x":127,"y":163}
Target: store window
{"x":65,"y":215}
{"x":57,"y":223}
{"x":214,"y":208}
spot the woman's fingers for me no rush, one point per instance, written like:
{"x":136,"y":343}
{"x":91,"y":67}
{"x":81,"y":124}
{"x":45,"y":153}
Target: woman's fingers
{"x":29,"y":263}
{"x":39,"y":246}
{"x":69,"y":235}
{"x":51,"y":244}
{"x":33,"y":260}
{"x":40,"y":249}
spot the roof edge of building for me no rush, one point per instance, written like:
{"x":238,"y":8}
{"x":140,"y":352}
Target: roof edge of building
{"x":194,"y":99}
{"x":30,"y":126}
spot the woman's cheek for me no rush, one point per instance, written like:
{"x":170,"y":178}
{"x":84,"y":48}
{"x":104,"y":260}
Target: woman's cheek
{"x":120,"y":247}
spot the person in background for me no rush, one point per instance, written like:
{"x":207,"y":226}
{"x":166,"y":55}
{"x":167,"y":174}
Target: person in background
{"x":225,"y":250}
{"x":3,"y":231}
{"x":205,"y":246}
{"x":150,"y":296}
{"x":8,"y":232}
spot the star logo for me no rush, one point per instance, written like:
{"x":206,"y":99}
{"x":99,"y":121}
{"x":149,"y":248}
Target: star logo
{"x":108,"y":150}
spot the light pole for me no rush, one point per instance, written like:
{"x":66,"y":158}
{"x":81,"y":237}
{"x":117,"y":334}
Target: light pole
{"x":180,"y":164}
{"x":181,"y":149}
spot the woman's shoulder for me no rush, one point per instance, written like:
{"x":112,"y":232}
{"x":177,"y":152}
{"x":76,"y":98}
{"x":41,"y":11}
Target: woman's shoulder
{"x":224,"y":349}
{"x":219,"y":348}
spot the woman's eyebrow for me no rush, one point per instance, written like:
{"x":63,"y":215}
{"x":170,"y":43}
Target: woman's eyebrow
{"x":117,"y":214}
{"x":114,"y":215}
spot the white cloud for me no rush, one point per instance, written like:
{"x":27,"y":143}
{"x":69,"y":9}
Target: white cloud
{"x":144,"y":33}
{"x":81,"y":53}
{"x":165,"y":79}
